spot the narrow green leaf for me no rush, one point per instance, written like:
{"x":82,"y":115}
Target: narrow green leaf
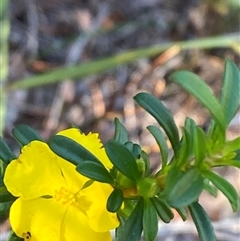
{"x":216,"y":138}
{"x":94,"y":171}
{"x":14,"y":237}
{"x":200,"y":145}
{"x":150,"y":221}
{"x":230,"y":92}
{"x":154,"y":107}
{"x":163,"y":209}
{"x":237,"y":157}
{"x":201,"y":91}
{"x":183,"y":188}
{"x":182,"y":212}
{"x":210,"y":188}
{"x":161,"y":141}
{"x":115,"y":200}
{"x":132,"y":229}
{"x":202,"y":222}
{"x":225,"y":187}
{"x":5,"y":195}
{"x":70,"y":150}
{"x":2,"y":171}
{"x":189,"y":127}
{"x":126,"y":211}
{"x":122,"y":159}
{"x":146,"y":160}
{"x":227,"y":163}
{"x":6,"y":155}
{"x":185,"y":150}
{"x":232,"y":145}
{"x":81,"y":70}
{"x":4,"y":209}
{"x":229,"y":99}
{"x":135,"y":149}
{"x":87,"y":184}
{"x":196,"y":140}
{"x":121,"y":134}
{"x":24,"y":134}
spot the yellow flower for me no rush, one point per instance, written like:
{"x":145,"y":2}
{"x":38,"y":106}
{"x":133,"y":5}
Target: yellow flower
{"x":52,"y":204}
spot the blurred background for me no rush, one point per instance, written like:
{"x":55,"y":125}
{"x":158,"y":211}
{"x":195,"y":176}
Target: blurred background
{"x":50,"y":35}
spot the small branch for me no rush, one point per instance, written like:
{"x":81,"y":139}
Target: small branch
{"x":101,"y":65}
{"x":4,"y":35}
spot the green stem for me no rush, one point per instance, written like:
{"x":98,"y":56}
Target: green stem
{"x":4,"y":34}
{"x":101,"y":65}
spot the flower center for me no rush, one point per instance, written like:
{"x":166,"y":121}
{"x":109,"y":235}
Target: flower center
{"x":64,"y":196}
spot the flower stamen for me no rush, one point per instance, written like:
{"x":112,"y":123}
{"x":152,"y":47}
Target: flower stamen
{"x":64,"y":196}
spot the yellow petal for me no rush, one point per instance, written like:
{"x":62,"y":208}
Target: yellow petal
{"x":35,"y":173}
{"x":74,"y":180}
{"x":91,"y":142}
{"x":41,"y":219}
{"x":99,"y":218}
{"x":75,"y":227}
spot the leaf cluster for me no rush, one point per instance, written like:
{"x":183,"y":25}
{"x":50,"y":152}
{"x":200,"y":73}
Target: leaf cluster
{"x":141,"y":197}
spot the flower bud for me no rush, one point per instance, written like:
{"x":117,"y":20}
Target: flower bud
{"x":147,"y":187}
{"x":124,"y":182}
{"x":141,"y":167}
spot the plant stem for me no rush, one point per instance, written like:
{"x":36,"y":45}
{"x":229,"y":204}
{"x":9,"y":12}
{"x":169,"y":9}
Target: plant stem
{"x":4,"y":34}
{"x":101,"y":65}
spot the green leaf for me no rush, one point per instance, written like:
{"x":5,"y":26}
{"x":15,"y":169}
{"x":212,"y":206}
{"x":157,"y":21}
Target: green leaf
{"x":228,"y":163}
{"x":229,"y":100}
{"x":70,"y":150}
{"x":237,"y":157}
{"x":2,"y":171}
{"x":200,"y":145}
{"x":182,"y":212}
{"x":4,"y":209}
{"x":185,"y":150}
{"x":232,"y":145}
{"x":183,"y":187}
{"x":150,"y":221}
{"x":5,"y":195}
{"x":146,"y":160}
{"x":6,"y":155}
{"x":14,"y":237}
{"x":95,"y":171}
{"x":132,"y":229}
{"x":161,"y":141}
{"x":210,"y":188}
{"x":135,"y":149}
{"x":202,"y":222}
{"x":122,"y":159}
{"x":87,"y":184}
{"x":189,"y":126}
{"x":154,"y":107}
{"x":230,"y":92}
{"x":115,"y":200}
{"x":94,"y":67}
{"x":216,"y":138}
{"x":126,"y":211}
{"x":202,"y":92}
{"x":24,"y":134}
{"x":121,"y":134}
{"x":225,"y":187}
{"x":163,"y":209}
